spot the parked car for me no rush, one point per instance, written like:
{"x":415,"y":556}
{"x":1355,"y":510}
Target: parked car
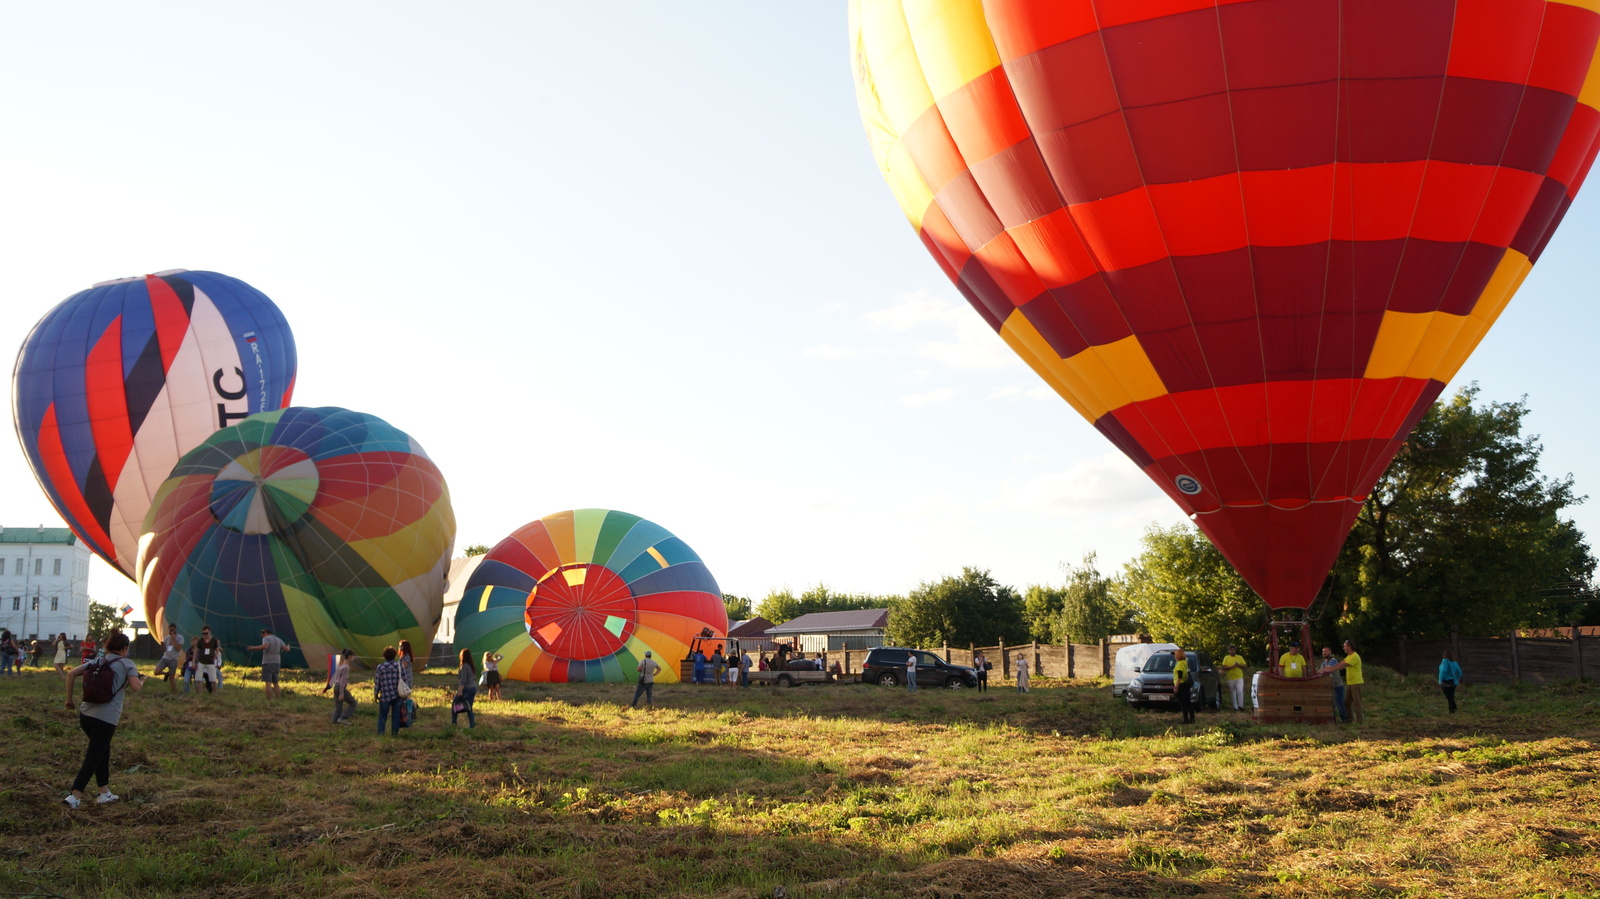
{"x":1152,"y":681}
{"x":1128,"y":661}
{"x":886,"y":665}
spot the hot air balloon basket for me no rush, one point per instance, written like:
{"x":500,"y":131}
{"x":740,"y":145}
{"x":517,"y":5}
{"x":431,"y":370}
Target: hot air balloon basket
{"x":1307,"y":700}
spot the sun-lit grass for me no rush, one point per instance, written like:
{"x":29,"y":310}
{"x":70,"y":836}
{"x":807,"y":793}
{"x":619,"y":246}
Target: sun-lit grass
{"x":823,"y":791}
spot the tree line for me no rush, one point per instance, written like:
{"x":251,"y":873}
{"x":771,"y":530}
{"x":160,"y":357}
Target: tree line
{"x":1462,"y":531}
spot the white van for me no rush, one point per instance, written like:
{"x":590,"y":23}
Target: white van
{"x":1129,"y":659}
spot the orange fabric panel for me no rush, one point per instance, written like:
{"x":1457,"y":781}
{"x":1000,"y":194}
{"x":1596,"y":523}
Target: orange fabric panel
{"x":1011,"y":270}
{"x":1121,"y":231}
{"x":1054,"y":249}
{"x":982,"y":117}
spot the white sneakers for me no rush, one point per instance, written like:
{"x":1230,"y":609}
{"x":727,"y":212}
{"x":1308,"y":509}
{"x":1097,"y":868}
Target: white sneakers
{"x":106,"y":797}
{"x":72,"y":801}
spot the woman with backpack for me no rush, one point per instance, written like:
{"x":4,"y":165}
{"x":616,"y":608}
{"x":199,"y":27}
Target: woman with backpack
{"x":101,"y":710}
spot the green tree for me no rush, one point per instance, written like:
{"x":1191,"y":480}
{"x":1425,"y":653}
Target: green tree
{"x":1185,"y":592}
{"x":972,"y":608}
{"x":104,"y":619}
{"x":1089,"y":608}
{"x":1041,"y":610}
{"x":1462,"y":530}
{"x":476,"y":549}
{"x":738,"y":607}
{"x":782,"y":605}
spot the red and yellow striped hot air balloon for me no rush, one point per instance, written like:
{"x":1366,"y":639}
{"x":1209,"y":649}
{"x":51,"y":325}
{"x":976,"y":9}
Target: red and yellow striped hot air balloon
{"x":1250,"y":240}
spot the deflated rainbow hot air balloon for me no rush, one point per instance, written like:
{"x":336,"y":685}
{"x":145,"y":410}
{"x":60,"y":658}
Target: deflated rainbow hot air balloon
{"x":118,"y":381}
{"x":580,"y":596}
{"x":1250,"y":241}
{"x":331,"y":527}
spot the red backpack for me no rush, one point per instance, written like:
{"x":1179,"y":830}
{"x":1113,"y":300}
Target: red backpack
{"x":100,"y":681}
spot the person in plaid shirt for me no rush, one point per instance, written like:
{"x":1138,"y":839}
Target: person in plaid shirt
{"x":386,"y":689}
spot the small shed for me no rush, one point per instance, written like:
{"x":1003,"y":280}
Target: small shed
{"x":832,"y":631}
{"x":750,"y":635}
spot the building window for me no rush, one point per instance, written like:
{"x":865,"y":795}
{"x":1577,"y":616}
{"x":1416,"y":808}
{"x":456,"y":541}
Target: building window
{"x":19,"y":566}
{"x":58,"y":567}
{"x":55,"y":602}
{"x":16,"y":603}
{"x":36,"y":603}
{"x":38,"y":565}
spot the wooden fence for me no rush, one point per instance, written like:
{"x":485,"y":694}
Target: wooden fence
{"x":1542,"y":659}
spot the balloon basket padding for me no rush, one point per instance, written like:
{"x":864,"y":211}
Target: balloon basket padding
{"x":1306,"y":700}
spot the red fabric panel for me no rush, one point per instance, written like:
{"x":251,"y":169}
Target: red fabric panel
{"x":1385,"y":39}
{"x":1286,"y":127}
{"x":1494,"y":39}
{"x":58,"y":474}
{"x":1375,"y":202}
{"x":1283,"y":555}
{"x":1036,"y":81}
{"x":107,"y":400}
{"x":1022,"y":27}
{"x":1091,"y":161}
{"x":1577,"y":144}
{"x":1280,"y":42}
{"x":940,"y":236}
{"x":1566,"y":48}
{"x":1219,"y":291}
{"x":982,"y":116}
{"x":1161,"y":60}
{"x":1474,"y":122}
{"x":1121,"y":230}
{"x":1055,"y":326}
{"x":1200,"y":217}
{"x":1536,"y":135}
{"x":968,"y":210}
{"x":536,"y":539}
{"x":1092,"y":310}
{"x":1388,"y":120}
{"x":1113,"y":13}
{"x":172,"y":322}
{"x":1289,"y":208}
{"x":1055,"y":249}
{"x":1185,"y":140}
{"x":1017,"y":185}
{"x":985,"y":294}
{"x":1010,"y":271}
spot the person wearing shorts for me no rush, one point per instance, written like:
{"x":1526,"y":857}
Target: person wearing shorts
{"x":272,"y":649}
{"x":171,"y":652}
{"x":207,"y":649}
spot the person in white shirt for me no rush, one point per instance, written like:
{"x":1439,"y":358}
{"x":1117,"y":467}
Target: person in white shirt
{"x":648,"y":667}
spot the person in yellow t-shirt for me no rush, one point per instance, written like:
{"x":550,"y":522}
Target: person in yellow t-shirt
{"x":1233,"y":666}
{"x":1353,"y":679}
{"x":1292,"y":663}
{"x":1183,"y":685}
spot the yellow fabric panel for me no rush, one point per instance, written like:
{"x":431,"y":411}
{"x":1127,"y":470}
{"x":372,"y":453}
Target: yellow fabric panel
{"x":586,"y":525}
{"x":953,"y":42}
{"x":1436,"y":344}
{"x":559,"y":527}
{"x":905,"y":180}
{"x":1590,"y":94}
{"x":1591,"y":5}
{"x":1095,"y":381}
{"x":891,"y":94}
{"x":409,"y":551}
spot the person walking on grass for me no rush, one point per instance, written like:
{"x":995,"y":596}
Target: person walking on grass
{"x":171,"y":658}
{"x":99,"y":719}
{"x":339,"y":683}
{"x":1335,"y":677}
{"x":646,"y":686}
{"x":1449,"y":679}
{"x":491,"y":674}
{"x":466,"y":690}
{"x":386,"y":691}
{"x":271,"y":649}
{"x":207,"y":651}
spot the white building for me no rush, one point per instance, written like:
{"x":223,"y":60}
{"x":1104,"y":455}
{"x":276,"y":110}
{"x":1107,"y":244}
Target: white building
{"x":455,"y":584}
{"x":44,"y":583}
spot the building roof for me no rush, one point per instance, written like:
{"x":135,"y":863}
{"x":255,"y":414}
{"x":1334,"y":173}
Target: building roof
{"x":752,"y":627}
{"x":826,"y":622}
{"x":38,"y":535}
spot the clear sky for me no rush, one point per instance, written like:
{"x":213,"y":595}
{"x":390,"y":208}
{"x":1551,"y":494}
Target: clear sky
{"x":622,"y":255}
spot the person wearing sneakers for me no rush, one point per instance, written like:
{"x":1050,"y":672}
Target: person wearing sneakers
{"x":340,"y":685}
{"x":99,"y":720}
{"x":207,"y":651}
{"x":272,"y":649}
{"x":171,"y":649}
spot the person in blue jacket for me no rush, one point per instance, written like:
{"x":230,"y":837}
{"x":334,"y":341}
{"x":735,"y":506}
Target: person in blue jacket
{"x":1449,"y":678}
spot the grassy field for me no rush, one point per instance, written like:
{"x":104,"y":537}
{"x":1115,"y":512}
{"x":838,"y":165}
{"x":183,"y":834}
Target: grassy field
{"x":819,"y":791}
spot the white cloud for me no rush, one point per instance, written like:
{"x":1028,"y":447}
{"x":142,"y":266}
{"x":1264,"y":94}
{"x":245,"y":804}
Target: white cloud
{"x":832,"y":352}
{"x":1105,"y":483}
{"x":932,"y":397}
{"x":944,"y":330}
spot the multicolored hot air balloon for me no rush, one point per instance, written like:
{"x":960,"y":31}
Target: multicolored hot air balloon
{"x":580,"y":596}
{"x":1250,"y":240}
{"x":331,"y":527}
{"x":117,"y":382}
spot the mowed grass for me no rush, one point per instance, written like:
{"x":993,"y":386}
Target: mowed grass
{"x":820,"y":791}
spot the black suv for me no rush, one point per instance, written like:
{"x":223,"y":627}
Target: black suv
{"x":1153,"y":682}
{"x":886,"y":665}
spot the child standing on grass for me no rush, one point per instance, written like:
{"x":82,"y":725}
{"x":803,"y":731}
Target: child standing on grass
{"x":340,"y":685}
{"x":466,"y":689}
{"x":99,"y":720}
{"x":491,"y":673}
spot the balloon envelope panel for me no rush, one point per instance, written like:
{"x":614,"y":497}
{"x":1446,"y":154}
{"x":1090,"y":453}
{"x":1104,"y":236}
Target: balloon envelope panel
{"x":579,"y":596}
{"x":331,"y":527}
{"x":117,"y":382}
{"x":1249,"y":241}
